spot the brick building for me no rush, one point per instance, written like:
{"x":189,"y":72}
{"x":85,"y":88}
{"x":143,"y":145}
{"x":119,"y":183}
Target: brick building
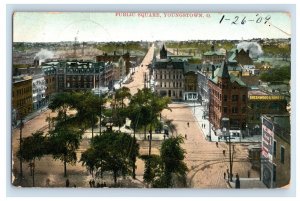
{"x":227,"y":99}
{"x":22,"y":96}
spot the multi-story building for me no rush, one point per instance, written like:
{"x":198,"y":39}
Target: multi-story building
{"x":228,"y":99}
{"x":38,"y":91}
{"x":115,"y":58}
{"x":213,"y":56}
{"x":260,"y":103}
{"x":22,"y":96}
{"x":75,"y":75}
{"x":49,"y":70}
{"x":275,"y":155}
{"x":175,"y":78}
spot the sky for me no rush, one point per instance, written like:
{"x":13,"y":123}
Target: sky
{"x":103,"y":27}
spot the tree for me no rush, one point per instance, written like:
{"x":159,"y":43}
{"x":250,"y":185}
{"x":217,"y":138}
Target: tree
{"x":33,"y":147}
{"x":161,"y":171}
{"x":64,"y":140}
{"x":88,"y":107}
{"x":277,"y":74}
{"x":151,"y":106}
{"x":172,"y":156}
{"x":171,"y":126}
{"x":111,"y":152}
{"x":61,"y":103}
{"x":89,"y":158}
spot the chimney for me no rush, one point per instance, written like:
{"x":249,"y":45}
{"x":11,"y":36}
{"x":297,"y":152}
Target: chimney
{"x":212,"y":71}
{"x":248,"y":52}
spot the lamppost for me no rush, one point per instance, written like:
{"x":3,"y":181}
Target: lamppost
{"x":226,"y":133}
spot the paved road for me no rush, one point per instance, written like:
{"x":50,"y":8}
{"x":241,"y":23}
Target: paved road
{"x":204,"y":159}
{"x":138,"y":77}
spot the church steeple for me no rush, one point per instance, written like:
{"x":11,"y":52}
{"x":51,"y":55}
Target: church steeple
{"x":163,"y":52}
{"x":223,"y":72}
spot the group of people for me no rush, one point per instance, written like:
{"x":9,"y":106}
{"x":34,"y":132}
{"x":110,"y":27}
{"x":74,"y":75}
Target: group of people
{"x":68,"y":184}
{"x":98,"y":185}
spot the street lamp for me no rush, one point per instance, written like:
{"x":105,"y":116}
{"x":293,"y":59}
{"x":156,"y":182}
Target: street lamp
{"x":226,"y":133}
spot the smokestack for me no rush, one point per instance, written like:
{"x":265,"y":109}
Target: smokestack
{"x":36,"y":63}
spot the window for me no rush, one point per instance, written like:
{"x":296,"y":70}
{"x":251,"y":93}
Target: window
{"x":225,"y":98}
{"x":274,"y":173}
{"x":282,"y":154}
{"x":244,"y":98}
{"x":234,"y":110}
{"x":274,"y":148}
{"x":235,"y":97}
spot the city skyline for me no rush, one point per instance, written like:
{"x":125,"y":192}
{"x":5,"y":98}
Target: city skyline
{"x":146,"y":26}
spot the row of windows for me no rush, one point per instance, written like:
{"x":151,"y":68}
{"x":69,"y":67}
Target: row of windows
{"x":81,"y":78}
{"x":24,"y":101}
{"x":263,"y":105}
{"x":171,"y":84}
{"x":24,"y":90}
{"x":50,"y":80}
{"x":79,"y":85}
{"x":168,"y":76}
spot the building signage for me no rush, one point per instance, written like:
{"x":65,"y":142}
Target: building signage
{"x":267,"y":139}
{"x":266,"y":98}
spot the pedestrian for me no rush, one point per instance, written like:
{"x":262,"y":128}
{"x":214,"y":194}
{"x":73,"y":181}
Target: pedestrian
{"x":224,"y":175}
{"x":188,"y":124}
{"x":217,"y":144}
{"x":90,"y":182}
{"x":47,"y":182}
{"x":204,"y":125}
{"x":93,"y":183}
{"x":67,"y":183}
{"x":164,"y":137}
{"x":74,"y":186}
{"x":224,"y":152}
{"x":185,"y":136}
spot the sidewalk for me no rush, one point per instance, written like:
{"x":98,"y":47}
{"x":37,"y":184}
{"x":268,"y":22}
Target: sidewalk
{"x":248,"y":183}
{"x":31,"y":116}
{"x":210,"y":134}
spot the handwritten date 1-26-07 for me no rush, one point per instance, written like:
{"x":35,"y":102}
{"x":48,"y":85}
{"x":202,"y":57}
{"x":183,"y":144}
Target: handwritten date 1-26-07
{"x":243,"y":19}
